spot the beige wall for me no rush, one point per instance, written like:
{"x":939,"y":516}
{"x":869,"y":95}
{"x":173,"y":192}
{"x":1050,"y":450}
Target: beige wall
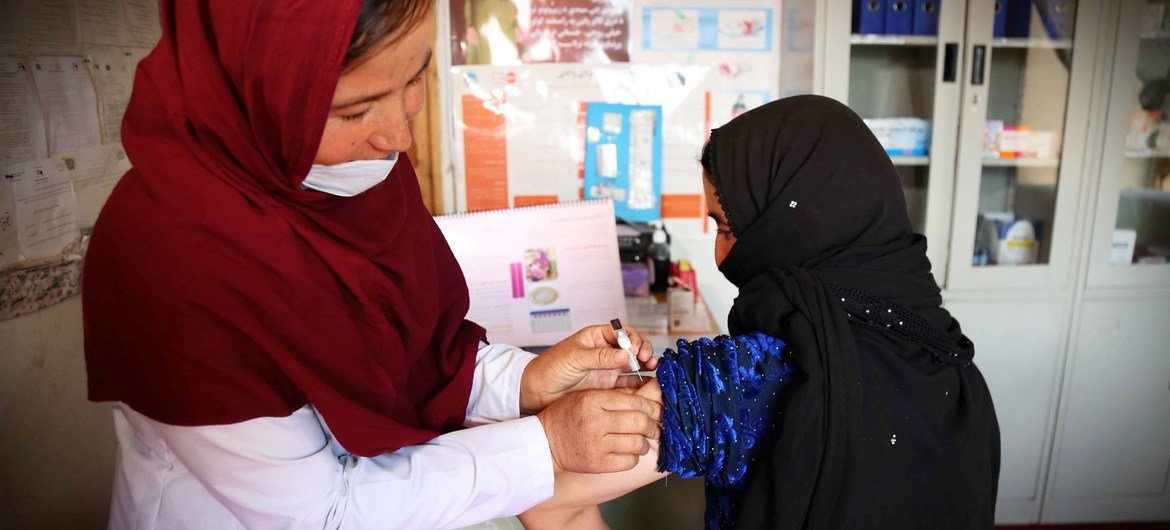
{"x":56,"y":448}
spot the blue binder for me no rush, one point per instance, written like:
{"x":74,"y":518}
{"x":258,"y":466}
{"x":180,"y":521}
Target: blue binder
{"x":899,"y":17}
{"x":1058,"y":17}
{"x":1000,"y":19}
{"x":871,"y":16}
{"x":1019,"y":18}
{"x":926,"y":17}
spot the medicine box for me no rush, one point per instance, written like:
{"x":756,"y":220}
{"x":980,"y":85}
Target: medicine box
{"x":902,"y":136}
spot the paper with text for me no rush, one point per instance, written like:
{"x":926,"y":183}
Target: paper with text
{"x":22,"y":127}
{"x":538,"y":274}
{"x":45,"y":207}
{"x":69,"y":103}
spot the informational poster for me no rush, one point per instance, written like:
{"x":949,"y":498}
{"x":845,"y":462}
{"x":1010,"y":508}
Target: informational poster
{"x":738,"y":40}
{"x":623,"y":158}
{"x":69,"y":103}
{"x":45,"y":208}
{"x":22,"y":126}
{"x":522,"y":135}
{"x":515,"y":32}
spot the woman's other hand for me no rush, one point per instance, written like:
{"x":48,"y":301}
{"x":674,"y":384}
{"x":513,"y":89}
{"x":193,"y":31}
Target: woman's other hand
{"x":589,"y":359}
{"x":600,"y":431}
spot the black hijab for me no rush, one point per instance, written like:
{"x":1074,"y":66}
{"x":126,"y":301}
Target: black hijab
{"x":892,"y":426}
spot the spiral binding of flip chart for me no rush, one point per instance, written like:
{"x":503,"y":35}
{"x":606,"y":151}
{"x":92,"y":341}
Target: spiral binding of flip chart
{"x":538,"y":274}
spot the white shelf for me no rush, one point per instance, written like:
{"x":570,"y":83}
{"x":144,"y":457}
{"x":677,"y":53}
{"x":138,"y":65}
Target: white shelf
{"x":1007,"y":42}
{"x":1021,"y":162}
{"x":910,"y":160}
{"x":892,"y":40}
{"x":1147,"y":153}
{"x":1156,"y":35}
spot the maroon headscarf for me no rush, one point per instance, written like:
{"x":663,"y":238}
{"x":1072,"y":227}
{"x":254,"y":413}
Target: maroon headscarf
{"x":217,"y":291}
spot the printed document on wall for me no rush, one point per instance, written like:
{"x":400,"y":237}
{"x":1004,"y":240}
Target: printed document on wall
{"x":45,"y":207}
{"x":94,"y":172}
{"x":112,"y":71}
{"x":48,"y":26}
{"x":22,"y":126}
{"x":9,"y":245}
{"x":69,"y":103}
{"x":142,"y":22}
{"x":101,"y":21}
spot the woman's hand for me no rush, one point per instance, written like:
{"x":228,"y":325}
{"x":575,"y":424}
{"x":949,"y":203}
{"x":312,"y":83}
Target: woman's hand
{"x":589,"y":359}
{"x":600,"y":431}
{"x":576,"y":495}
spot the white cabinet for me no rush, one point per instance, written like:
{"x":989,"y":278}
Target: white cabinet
{"x":1070,"y":316}
{"x":885,"y":77}
{"x":1018,"y":348}
{"x":1131,"y":236}
{"x":1112,"y":455}
{"x":1017,"y":191}
{"x":971,"y":187}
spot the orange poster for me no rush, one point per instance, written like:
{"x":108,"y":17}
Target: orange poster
{"x":688,"y":206}
{"x":485,"y":156}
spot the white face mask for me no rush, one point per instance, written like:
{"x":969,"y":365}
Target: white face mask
{"x":350,"y":178}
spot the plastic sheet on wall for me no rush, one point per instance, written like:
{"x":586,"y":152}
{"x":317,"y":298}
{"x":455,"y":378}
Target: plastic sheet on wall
{"x":518,"y":135}
{"x":521,"y":131}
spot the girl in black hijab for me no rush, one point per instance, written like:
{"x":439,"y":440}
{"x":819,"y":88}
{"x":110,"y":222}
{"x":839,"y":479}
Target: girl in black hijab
{"x":880,"y":419}
{"x":890,"y":424}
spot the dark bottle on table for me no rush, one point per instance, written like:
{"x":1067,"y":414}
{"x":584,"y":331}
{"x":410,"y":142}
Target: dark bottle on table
{"x":660,"y":260}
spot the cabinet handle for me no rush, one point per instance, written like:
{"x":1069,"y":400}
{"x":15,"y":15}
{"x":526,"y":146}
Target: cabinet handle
{"x":977,"y":55}
{"x":950,"y":62}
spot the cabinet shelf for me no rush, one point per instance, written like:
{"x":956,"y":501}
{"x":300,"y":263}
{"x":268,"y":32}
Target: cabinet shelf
{"x":1009,"y":42}
{"x":1021,"y":162}
{"x":1147,"y":153}
{"x":868,"y":39}
{"x":910,"y":160}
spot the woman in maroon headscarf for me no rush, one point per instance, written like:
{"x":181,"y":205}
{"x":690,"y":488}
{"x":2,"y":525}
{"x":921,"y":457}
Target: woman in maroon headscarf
{"x":276,"y":316}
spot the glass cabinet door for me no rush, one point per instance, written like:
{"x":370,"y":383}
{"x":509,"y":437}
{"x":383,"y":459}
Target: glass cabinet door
{"x":1131,"y":240}
{"x":1023,"y":123}
{"x":895,"y":63}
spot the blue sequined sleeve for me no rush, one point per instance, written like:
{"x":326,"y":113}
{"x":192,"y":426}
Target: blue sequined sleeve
{"x":719,"y":402}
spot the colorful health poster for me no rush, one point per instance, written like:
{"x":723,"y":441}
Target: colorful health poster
{"x":706,"y":29}
{"x":521,"y":132}
{"x":623,"y":158}
{"x":515,"y":32}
